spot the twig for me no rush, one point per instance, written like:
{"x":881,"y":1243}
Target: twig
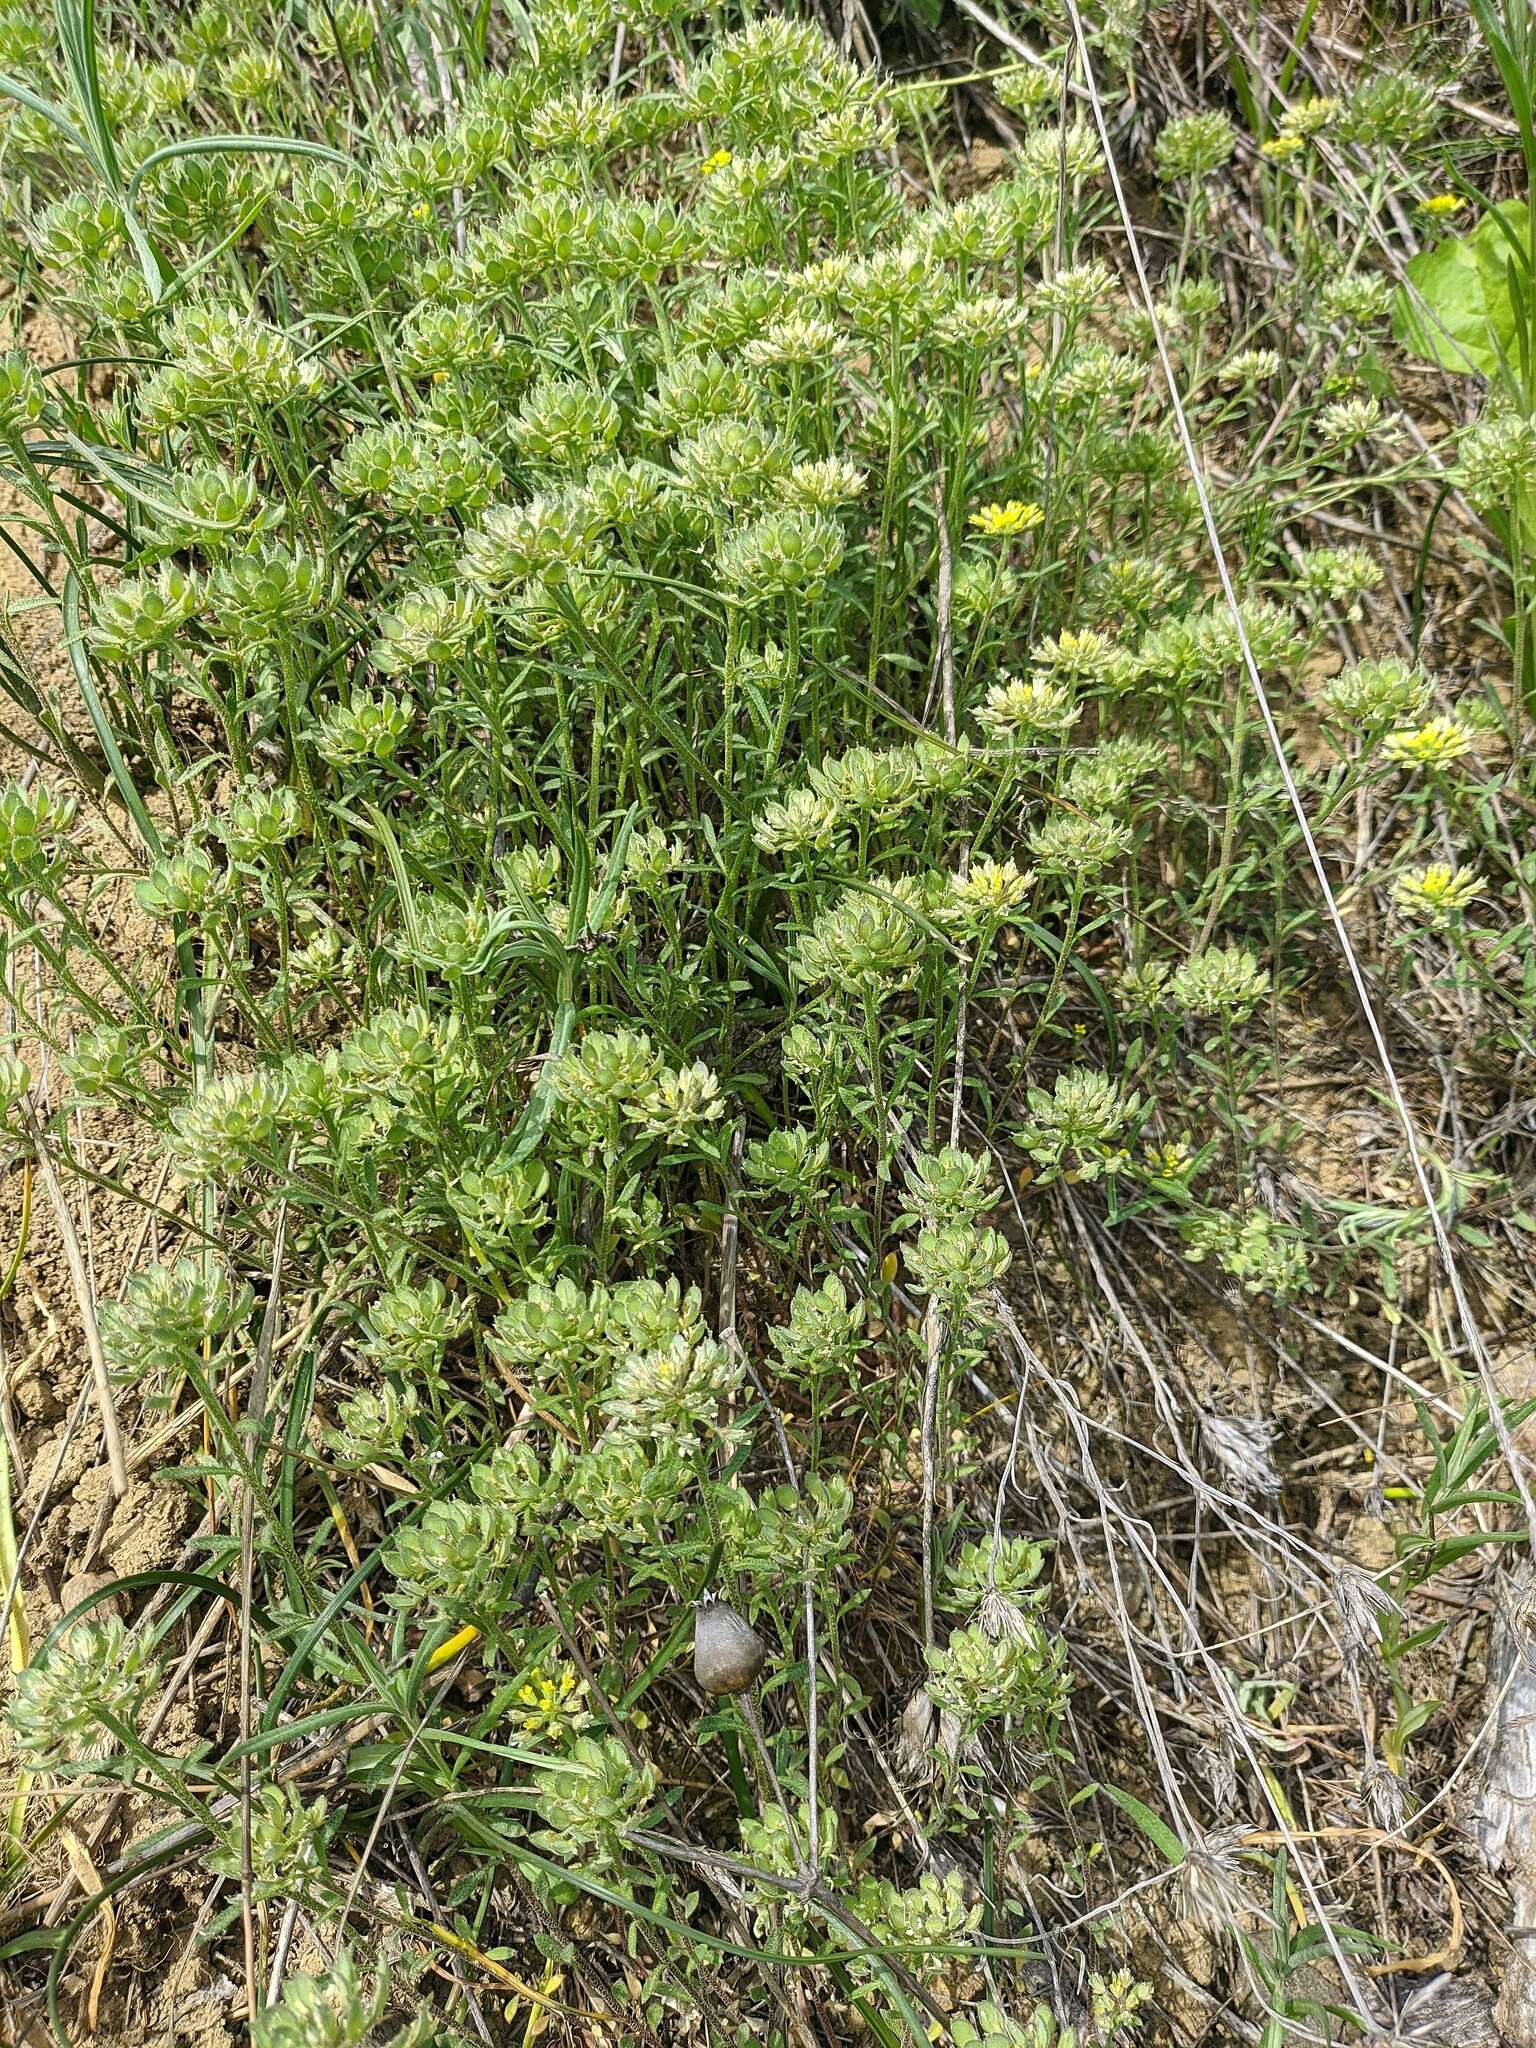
{"x":112,"y":1436}
{"x":733,"y":1343}
{"x":945,"y":636}
{"x":407,"y":1750}
{"x":255,"y":1421}
{"x":933,"y":1339}
{"x":280,"y":1950}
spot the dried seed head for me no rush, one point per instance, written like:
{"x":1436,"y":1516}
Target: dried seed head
{"x":1242,"y":1446}
{"x":998,"y":1616}
{"x":1385,"y":1796}
{"x":916,"y":1732}
{"x":728,"y":1653}
{"x":1209,"y":1883}
{"x":1519,"y":1614}
{"x":1361,"y":1603}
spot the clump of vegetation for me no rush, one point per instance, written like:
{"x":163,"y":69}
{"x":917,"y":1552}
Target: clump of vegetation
{"x":753,"y":765}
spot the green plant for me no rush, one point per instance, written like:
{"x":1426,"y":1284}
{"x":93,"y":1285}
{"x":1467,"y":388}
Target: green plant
{"x":730,"y":956}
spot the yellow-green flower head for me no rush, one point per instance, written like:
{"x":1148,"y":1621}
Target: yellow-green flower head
{"x":69,"y":1702}
{"x":551,"y":1703}
{"x":1194,"y":146}
{"x":799,"y":338}
{"x":680,"y":1100}
{"x":544,"y":540}
{"x":1310,"y":117}
{"x":880,"y":783}
{"x":1340,"y":575}
{"x":1441,"y":205}
{"x":1435,"y":744}
{"x":1143,"y":987}
{"x":1249,"y":366}
{"x":872,"y":943}
{"x":1015,"y":708}
{"x":915,"y":100}
{"x":223,"y":358}
{"x":584,"y":119}
{"x":439,"y":340}
{"x":1349,"y":422}
{"x":265,"y":592}
{"x":1391,"y":110}
{"x":343,"y":29}
{"x":693,"y":391}
{"x":32,"y":823}
{"x":1436,"y":894}
{"x":1083,"y":288}
{"x":254,"y":74}
{"x":642,"y":238}
{"x":1075,"y":1129}
{"x":1169,"y":1160}
{"x":1080,"y":654}
{"x":416,"y":169}
{"x":729,"y":464}
{"x":822,"y":486}
{"x":1379,"y":693}
{"x":1006,"y":521}
{"x":788,"y":554}
{"x":1498,"y":460}
{"x":564,"y":424}
{"x":1026,"y":89}
{"x":1222,"y":981}
{"x":15,"y":1080}
{"x":987,"y":893}
{"x":367,"y":728}
{"x":1074,"y":152}
{"x":986,"y":325}
{"x":795,"y":823}
{"x":1077,"y":847}
{"x":144,"y":612}
{"x":428,"y":625}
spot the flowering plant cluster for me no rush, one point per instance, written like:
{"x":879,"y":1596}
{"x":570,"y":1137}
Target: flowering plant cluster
{"x":693,"y":797}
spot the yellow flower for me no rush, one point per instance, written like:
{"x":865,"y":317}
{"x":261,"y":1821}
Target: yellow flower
{"x":1279,"y":147}
{"x":1432,"y":745}
{"x":1310,"y":117}
{"x":551,"y":1705}
{"x":717,"y":162}
{"x":1167,"y":1162}
{"x":1003,"y":522}
{"x":421,"y":210}
{"x":1440,"y":204}
{"x":1436,"y":893}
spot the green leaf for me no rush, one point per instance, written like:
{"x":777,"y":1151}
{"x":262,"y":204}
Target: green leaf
{"x":1157,"y":1831}
{"x":1456,"y":309}
{"x":245,"y":145}
{"x":101,"y":724}
{"x":536,"y":1113}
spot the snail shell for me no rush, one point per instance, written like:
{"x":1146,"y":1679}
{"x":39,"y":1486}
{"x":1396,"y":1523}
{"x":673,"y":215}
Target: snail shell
{"x":728,"y":1653}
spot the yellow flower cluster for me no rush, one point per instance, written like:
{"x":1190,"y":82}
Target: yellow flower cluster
{"x":1006,"y":522}
{"x":551,"y":1705}
{"x":1435,"y":894}
{"x":1432,"y":745}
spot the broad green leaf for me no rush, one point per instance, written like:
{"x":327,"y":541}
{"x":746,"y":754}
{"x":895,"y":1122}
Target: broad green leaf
{"x":1156,"y":1830}
{"x":1459,"y":312}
